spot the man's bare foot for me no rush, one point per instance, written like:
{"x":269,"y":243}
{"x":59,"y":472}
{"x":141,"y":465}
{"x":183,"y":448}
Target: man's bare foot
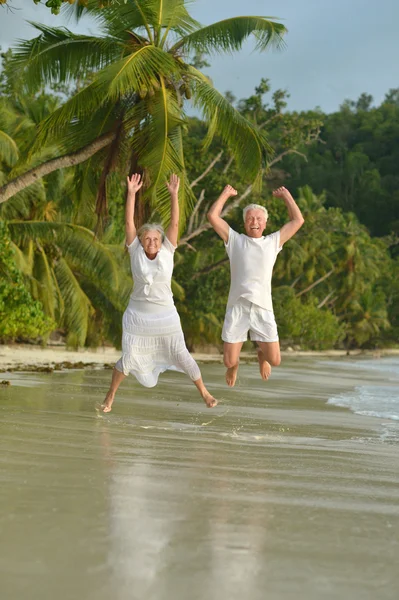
{"x":106,"y":406}
{"x":264,"y":367}
{"x":231,"y":375}
{"x":209,"y":400}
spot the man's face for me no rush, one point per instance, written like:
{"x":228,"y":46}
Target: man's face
{"x":255,"y":223}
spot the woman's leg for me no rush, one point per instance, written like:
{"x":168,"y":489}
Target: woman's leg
{"x":186,"y":363}
{"x":209,"y":400}
{"x":117,"y":378}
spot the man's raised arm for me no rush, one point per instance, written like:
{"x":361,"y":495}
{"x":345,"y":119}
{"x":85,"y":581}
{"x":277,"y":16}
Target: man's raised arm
{"x":173,"y":230}
{"x":296,"y":219}
{"x":220,"y":225}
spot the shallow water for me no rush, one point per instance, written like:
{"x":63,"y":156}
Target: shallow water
{"x":274,"y":494}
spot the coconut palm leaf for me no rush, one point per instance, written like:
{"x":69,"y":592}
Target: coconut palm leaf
{"x":248,"y":145}
{"x":20,"y":205}
{"x":8,"y":149}
{"x":21,"y":261}
{"x":135,"y":14}
{"x":230,"y":34}
{"x":79,"y":108}
{"x":157,"y":145}
{"x":58,"y":55}
{"x":78,"y":246}
{"x":137,"y":72}
{"x":46,"y":291}
{"x":78,"y":307}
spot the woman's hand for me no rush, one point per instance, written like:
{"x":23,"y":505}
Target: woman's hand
{"x":134,"y":183}
{"x":173,"y":184}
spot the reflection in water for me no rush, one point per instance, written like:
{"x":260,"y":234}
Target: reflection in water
{"x":273,"y":493}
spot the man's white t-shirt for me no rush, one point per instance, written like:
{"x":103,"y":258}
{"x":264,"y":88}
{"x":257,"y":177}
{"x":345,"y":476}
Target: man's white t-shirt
{"x":251,"y":267}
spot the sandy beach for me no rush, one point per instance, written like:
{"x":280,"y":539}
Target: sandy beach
{"x":29,"y":357}
{"x":287,"y":489}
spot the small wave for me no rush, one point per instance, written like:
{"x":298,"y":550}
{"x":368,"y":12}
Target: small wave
{"x":371,"y":401}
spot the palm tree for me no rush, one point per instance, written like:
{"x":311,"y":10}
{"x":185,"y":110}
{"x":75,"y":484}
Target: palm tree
{"x":137,"y":77}
{"x":67,"y":269}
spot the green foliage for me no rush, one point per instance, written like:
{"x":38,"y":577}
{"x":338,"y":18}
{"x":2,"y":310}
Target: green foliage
{"x":357,"y":163}
{"x":304,"y":323}
{"x":334,"y":284}
{"x":21,"y":317}
{"x":134,"y":81}
{"x":341,"y":281}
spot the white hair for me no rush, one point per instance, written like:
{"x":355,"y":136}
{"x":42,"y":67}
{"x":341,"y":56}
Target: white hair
{"x":254,"y":207}
{"x":151,"y":227}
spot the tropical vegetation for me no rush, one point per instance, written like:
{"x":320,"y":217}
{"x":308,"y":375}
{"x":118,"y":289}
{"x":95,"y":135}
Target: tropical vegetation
{"x":67,"y":142}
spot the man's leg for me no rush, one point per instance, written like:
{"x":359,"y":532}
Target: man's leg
{"x":231,"y":357}
{"x":268,"y":354}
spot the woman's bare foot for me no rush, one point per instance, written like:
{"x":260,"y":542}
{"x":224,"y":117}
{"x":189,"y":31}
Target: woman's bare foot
{"x":231,"y":375}
{"x":209,"y":400}
{"x":264,"y":367}
{"x":106,"y":406}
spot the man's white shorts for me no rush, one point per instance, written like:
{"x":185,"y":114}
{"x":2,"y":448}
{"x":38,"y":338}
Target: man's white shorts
{"x":246,"y":316}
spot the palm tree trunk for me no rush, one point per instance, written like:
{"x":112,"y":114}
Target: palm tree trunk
{"x":69,"y":160}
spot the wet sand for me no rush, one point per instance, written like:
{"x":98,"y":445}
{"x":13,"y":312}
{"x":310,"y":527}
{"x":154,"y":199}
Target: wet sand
{"x":19,"y":357}
{"x":274,"y":494}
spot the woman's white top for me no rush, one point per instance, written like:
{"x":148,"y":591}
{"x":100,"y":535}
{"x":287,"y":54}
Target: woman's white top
{"x":152,"y":278}
{"x":251,"y":267}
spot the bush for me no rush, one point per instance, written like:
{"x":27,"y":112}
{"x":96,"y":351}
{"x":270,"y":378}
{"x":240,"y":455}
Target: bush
{"x":20,"y":315}
{"x":303,"y":323}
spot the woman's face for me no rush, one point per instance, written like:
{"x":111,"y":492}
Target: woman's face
{"x":151,"y":242}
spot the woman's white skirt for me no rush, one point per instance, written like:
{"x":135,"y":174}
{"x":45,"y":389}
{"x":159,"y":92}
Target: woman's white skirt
{"x":153,"y":343}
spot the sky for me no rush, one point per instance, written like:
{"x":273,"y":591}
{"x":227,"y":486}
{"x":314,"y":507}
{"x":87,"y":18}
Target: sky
{"x":335,"y":49}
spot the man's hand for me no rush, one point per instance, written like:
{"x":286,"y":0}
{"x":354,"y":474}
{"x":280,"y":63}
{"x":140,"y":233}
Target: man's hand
{"x":229,"y":191}
{"x":282,"y":192}
{"x":173,"y":184}
{"x":296,"y":219}
{"x":134,"y":183}
{"x":220,"y":226}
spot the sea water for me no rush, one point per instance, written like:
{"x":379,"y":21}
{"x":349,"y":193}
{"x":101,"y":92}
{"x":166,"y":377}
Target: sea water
{"x":379,"y":399}
{"x":275,"y":493}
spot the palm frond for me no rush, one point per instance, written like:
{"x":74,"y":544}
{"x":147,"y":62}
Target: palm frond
{"x":58,"y":55}
{"x":230,"y":34}
{"x":134,"y":15}
{"x":46,"y":291}
{"x":187,"y":198}
{"x":248,"y":145}
{"x":172,"y":15}
{"x":20,"y":205}
{"x":21,"y":261}
{"x":77,"y":244}
{"x":138,"y":72}
{"x":153,"y":143}
{"x":178,"y":290}
{"x":78,"y":307}
{"x":8,"y":149}
{"x":73,"y":112}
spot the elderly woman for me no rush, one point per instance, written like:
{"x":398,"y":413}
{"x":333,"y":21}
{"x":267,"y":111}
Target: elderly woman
{"x":152,"y":340}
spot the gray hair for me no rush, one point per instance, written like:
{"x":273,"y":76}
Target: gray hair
{"x":254,"y":207}
{"x":151,"y":227}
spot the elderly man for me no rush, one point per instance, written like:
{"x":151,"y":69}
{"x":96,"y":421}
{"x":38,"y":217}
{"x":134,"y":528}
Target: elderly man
{"x":252,"y":257}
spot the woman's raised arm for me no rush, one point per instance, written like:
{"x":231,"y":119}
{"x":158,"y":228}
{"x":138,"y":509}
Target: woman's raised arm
{"x":134,"y":183}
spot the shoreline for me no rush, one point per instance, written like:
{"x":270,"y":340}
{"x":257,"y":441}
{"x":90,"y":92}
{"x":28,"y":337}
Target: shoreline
{"x":25,"y":357}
